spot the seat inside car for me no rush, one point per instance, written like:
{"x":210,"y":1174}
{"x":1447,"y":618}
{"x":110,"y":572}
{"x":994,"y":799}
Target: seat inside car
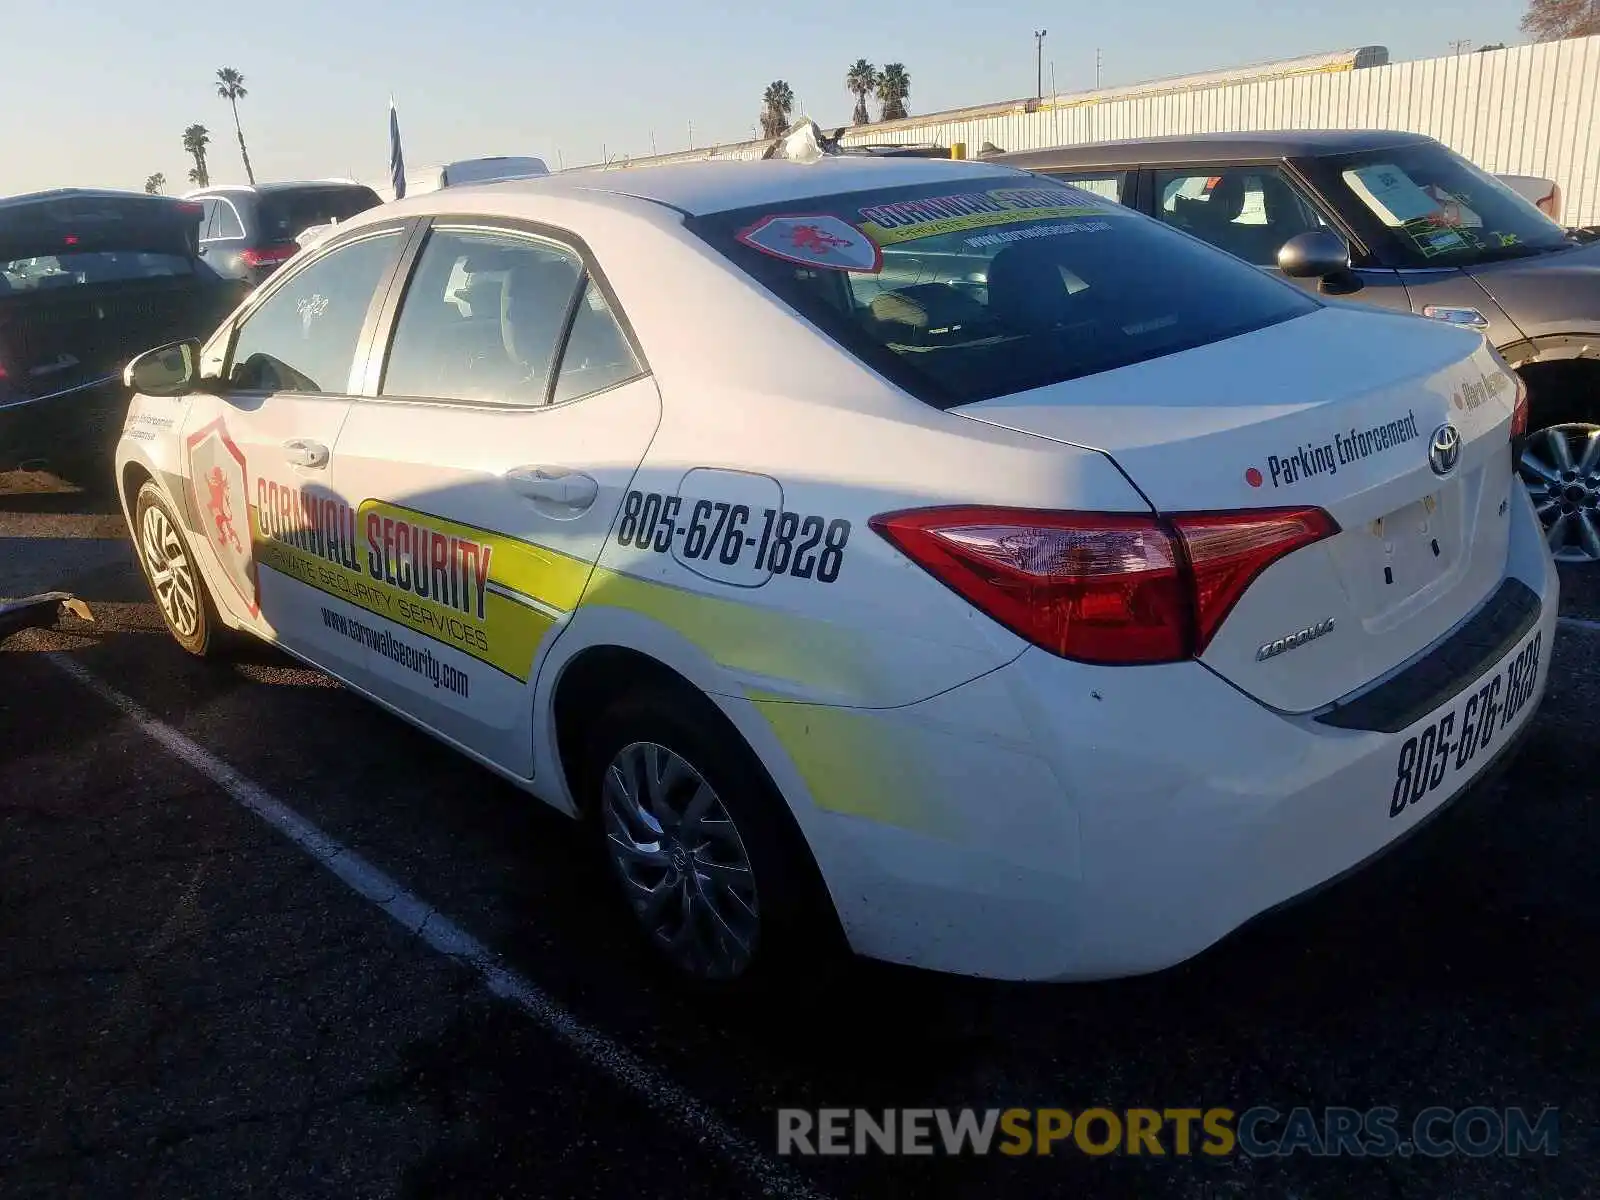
{"x":533,"y":309}
{"x":1028,"y":291}
{"x":923,"y":312}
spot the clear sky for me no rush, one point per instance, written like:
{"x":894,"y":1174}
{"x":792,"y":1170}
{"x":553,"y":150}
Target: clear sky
{"x":98,"y":92}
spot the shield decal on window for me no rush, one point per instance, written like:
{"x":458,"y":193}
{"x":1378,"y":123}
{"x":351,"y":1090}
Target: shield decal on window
{"x":815,"y":241}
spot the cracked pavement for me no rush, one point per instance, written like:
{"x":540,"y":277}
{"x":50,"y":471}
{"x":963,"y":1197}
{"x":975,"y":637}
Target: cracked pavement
{"x":193,"y":1005}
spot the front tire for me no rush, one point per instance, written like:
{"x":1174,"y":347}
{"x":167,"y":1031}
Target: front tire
{"x":173,"y":575}
{"x":711,"y":866}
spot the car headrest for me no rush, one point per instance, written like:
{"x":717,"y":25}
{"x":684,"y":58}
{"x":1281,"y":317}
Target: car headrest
{"x":533,"y":305}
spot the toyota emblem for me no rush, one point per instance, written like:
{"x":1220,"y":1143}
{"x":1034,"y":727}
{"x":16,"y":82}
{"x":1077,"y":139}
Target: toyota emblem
{"x":1444,"y":452}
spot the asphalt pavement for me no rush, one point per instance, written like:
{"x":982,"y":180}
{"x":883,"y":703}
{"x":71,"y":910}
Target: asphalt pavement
{"x":257,"y":937}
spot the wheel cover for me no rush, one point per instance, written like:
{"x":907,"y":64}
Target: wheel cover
{"x":1560,"y":466}
{"x":171,"y":575}
{"x":682,"y":862}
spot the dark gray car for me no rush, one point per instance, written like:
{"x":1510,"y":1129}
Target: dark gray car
{"x":1402,"y":221}
{"x":247,"y":233}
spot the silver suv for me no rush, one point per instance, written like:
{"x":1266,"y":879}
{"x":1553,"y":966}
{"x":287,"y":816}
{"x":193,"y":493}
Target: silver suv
{"x":1398,"y":220}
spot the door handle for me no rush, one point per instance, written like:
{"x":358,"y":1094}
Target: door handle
{"x":306,"y":454}
{"x":571,"y":489}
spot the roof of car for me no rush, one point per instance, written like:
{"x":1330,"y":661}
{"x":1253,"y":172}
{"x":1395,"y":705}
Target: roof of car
{"x":1209,"y":147}
{"x":698,"y":188}
{"x":70,"y":193}
{"x":266,"y":189}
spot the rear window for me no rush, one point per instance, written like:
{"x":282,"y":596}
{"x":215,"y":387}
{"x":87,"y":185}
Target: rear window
{"x":284,"y":216}
{"x":1006,"y":283}
{"x":76,"y":270}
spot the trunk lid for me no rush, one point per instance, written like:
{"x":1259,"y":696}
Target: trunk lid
{"x":1335,"y":410}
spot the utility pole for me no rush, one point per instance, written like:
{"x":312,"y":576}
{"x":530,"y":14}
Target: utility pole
{"x":1097,"y":68}
{"x":691,"y":135}
{"x":652,"y":141}
{"x":1038,"y":62}
{"x":1460,"y":45}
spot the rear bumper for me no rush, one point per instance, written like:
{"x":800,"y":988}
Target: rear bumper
{"x":68,"y":427}
{"x":1052,"y":821}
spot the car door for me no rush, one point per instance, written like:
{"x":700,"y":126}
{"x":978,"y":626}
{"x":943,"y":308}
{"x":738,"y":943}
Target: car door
{"x":505,"y":411}
{"x":258,"y":442}
{"x":1252,"y":209}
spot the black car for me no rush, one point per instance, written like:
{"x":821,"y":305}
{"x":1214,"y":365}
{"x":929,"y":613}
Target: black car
{"x":247,"y":233}
{"x":88,"y":280}
{"x":1402,"y":221}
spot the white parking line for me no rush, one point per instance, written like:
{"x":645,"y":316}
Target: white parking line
{"x":439,"y":932}
{"x":1583,"y":623}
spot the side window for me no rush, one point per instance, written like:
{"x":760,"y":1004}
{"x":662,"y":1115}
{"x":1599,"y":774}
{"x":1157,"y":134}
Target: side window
{"x":1247,"y":211}
{"x":1107,"y":184}
{"x":226,"y":224}
{"x":597,"y":355}
{"x":303,"y":337}
{"x":208,"y":219}
{"x":482,"y":318}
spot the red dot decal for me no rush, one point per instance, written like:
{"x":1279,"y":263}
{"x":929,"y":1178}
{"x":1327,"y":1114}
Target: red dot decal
{"x":1253,"y":477}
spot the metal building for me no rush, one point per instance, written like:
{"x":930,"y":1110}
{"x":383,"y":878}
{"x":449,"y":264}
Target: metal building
{"x":1527,"y":110}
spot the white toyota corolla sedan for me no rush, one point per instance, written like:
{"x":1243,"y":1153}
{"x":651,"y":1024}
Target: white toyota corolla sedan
{"x":918,"y":555}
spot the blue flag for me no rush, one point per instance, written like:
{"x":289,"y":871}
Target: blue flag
{"x":397,"y":163}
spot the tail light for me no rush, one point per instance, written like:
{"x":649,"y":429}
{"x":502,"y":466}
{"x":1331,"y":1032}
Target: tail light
{"x":1519,"y":412}
{"x":270,"y":256}
{"x":1103,"y":588}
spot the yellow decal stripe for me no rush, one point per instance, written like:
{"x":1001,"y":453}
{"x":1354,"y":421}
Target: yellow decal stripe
{"x":743,"y":637}
{"x":547,"y":575}
{"x":847,"y":760}
{"x":926,"y":229}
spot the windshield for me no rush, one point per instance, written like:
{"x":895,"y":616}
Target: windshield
{"x":999,"y":285}
{"x":69,"y":270}
{"x":1444,"y":211}
{"x":285,"y":215}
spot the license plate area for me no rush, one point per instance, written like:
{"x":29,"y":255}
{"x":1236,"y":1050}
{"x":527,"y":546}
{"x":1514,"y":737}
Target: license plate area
{"x":1464,"y":736}
{"x":1413,"y":546}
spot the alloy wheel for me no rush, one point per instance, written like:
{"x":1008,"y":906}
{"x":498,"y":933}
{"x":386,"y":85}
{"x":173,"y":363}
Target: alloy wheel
{"x":682,"y":862}
{"x":1560,"y":466}
{"x":171,"y":574}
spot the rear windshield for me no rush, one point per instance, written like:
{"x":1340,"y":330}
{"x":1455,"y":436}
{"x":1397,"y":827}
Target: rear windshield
{"x":285,"y":215}
{"x":1007,"y":283}
{"x":72,"y":270}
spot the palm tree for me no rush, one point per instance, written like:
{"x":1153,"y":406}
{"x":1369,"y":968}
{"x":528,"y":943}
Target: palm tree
{"x":894,"y":88}
{"x":776,"y":102}
{"x":860,"y":82}
{"x":230,"y":86}
{"x":154,"y":183}
{"x":195,"y":140}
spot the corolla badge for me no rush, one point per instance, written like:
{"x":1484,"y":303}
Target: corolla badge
{"x":1444,"y":451}
{"x":1294,"y":640}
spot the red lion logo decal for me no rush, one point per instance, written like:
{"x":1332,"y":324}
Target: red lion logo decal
{"x":221,"y":510}
{"x":813,"y":240}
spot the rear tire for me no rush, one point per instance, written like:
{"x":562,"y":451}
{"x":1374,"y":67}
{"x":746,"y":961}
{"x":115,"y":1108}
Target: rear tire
{"x":174,"y":576}
{"x":716,"y":878}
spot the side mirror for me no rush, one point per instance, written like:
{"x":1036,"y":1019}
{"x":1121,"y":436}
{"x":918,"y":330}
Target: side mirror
{"x":169,"y":370}
{"x":1315,"y":254}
